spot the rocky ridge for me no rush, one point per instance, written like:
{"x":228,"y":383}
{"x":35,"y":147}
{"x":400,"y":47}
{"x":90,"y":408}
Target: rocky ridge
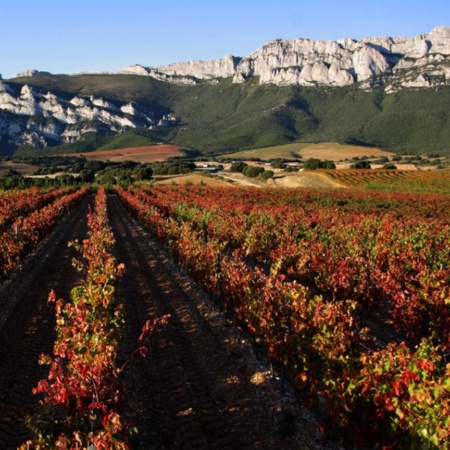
{"x":185,"y":73}
{"x":32,"y":117}
{"x":422,"y":61}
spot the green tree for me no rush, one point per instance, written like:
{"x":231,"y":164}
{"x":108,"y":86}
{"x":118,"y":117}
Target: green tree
{"x":314,"y":164}
{"x":389,"y":166}
{"x":87,"y":176}
{"x":278,"y":164}
{"x":65,"y":180}
{"x":238,"y":166}
{"x":266,"y":174}
{"x":143,"y":173}
{"x":253,"y":171}
{"x":361,"y":165}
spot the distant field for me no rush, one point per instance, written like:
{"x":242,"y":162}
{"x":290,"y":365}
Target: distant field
{"x":20,"y":167}
{"x":144,"y":154}
{"x":335,"y":152}
{"x":437,"y":181}
{"x":303,"y":150}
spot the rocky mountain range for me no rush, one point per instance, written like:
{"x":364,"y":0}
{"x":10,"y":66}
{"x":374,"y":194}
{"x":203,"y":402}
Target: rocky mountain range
{"x":38,"y":109}
{"x":421,"y":61}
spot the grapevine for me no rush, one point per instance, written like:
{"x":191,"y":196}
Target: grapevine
{"x":82,"y":394}
{"x":299,"y":277}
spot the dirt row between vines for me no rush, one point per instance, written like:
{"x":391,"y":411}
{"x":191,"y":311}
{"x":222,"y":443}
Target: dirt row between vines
{"x":202,"y":384}
{"x":27,"y":324}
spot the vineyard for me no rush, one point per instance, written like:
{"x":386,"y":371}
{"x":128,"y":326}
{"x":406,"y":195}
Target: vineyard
{"x":304,"y":273}
{"x":27,"y":217}
{"x":347,"y":292}
{"x":394,"y":180}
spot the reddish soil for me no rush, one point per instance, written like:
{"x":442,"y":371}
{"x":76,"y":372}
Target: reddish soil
{"x":201,"y":386}
{"x":147,"y":153}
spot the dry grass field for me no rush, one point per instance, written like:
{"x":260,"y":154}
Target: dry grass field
{"x":336,"y":152}
{"x":303,"y":150}
{"x":310,"y":180}
{"x":190,"y":178}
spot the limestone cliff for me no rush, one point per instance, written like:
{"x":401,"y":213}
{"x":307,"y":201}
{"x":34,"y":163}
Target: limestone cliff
{"x":421,"y":61}
{"x":33,"y":117}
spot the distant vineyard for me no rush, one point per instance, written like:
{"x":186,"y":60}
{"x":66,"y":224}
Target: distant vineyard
{"x":394,"y":180}
{"x":303,"y":270}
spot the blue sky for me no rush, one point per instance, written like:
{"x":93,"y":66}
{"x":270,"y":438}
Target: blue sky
{"x":68,"y":36}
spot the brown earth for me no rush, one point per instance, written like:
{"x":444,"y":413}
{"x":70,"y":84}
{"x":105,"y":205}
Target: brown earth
{"x":20,"y":167}
{"x":202,"y":385}
{"x":143,"y":154}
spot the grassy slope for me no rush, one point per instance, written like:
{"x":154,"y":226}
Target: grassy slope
{"x":231,"y":117}
{"x":227,"y":117}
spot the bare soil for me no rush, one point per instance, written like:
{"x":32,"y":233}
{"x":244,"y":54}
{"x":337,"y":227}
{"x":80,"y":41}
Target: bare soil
{"x":19,"y":167}
{"x":143,"y":154}
{"x":202,"y":385}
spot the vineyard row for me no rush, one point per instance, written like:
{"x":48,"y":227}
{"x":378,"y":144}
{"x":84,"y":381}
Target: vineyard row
{"x":83,"y":390}
{"x":294,"y":277}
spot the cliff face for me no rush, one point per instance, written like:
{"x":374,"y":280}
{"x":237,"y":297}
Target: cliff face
{"x":33,"y":117}
{"x":309,"y":62}
{"x":417,"y":62}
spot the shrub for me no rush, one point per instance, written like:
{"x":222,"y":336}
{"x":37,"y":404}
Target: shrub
{"x":143,"y":173}
{"x":361,"y":165}
{"x":266,"y":174}
{"x":277,"y":164}
{"x":328,"y":165}
{"x":238,"y":166}
{"x":87,"y":176}
{"x":313,"y":164}
{"x":252,"y":171}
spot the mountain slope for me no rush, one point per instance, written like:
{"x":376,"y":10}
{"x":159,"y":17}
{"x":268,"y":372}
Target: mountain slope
{"x":389,"y":92}
{"x":227,"y":116}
